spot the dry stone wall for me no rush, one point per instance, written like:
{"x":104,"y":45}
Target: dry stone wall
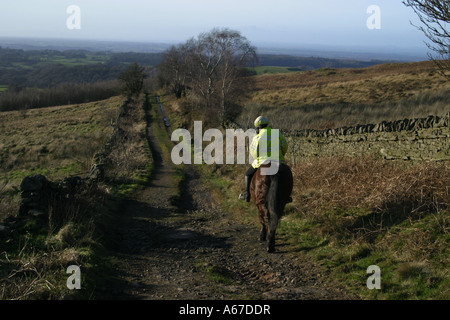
{"x":41,"y":198}
{"x":408,"y":139}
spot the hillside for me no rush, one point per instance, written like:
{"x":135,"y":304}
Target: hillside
{"x":337,"y":97}
{"x":312,"y":63}
{"x":55,"y":141}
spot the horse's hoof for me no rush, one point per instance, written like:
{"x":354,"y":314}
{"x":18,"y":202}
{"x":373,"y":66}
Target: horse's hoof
{"x":262,"y":237}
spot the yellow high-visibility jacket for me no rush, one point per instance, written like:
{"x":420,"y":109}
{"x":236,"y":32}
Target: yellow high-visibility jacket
{"x":262,"y":153}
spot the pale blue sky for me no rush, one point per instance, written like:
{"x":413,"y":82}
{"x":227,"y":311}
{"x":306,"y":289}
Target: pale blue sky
{"x":283,"y":22}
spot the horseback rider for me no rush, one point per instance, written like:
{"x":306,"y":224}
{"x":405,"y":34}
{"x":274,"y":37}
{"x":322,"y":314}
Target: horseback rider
{"x":262,"y":156}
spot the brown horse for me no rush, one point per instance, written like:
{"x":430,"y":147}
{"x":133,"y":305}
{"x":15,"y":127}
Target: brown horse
{"x":270,"y":194}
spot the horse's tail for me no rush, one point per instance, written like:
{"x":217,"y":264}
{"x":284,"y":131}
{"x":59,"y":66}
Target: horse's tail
{"x":280,"y":189}
{"x":277,"y":192}
{"x":274,"y":203}
{"x":275,"y":208}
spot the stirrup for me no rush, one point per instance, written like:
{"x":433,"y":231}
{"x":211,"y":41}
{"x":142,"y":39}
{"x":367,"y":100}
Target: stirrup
{"x":244,"y":196}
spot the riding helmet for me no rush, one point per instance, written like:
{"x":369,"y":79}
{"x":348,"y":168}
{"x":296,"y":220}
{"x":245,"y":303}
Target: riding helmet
{"x":261,"y":121}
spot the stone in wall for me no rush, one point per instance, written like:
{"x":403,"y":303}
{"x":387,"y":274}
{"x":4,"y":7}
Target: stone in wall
{"x":34,"y":195}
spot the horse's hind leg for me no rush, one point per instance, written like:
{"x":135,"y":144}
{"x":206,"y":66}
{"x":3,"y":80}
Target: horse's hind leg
{"x":262,"y":220}
{"x":263,"y":233}
{"x":272,"y":226}
{"x":271,"y":244}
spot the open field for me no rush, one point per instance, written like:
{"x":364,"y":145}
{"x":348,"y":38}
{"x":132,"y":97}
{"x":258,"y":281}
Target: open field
{"x":42,"y":60}
{"x":56,"y":142}
{"x":274,"y":70}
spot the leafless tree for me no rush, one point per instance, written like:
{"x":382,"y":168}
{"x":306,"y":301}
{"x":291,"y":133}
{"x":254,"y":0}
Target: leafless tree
{"x":209,"y":66}
{"x":173,"y":70}
{"x":435,"y":17}
{"x":237,"y":53}
{"x":132,"y":79}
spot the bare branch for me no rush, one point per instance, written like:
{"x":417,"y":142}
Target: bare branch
{"x":435,"y":17}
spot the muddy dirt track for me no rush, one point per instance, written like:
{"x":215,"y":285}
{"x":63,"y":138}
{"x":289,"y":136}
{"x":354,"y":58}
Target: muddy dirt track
{"x":167,"y":248}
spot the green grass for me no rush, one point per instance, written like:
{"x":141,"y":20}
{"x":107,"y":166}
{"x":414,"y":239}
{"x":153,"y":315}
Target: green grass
{"x":159,"y":130}
{"x":213,"y":273}
{"x":43,"y":60}
{"x":273,"y":70}
{"x":56,"y":141}
{"x":348,"y":260}
{"x":163,"y":138}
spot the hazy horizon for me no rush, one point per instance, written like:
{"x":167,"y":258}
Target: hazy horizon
{"x":289,"y":24}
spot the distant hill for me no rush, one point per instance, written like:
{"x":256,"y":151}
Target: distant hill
{"x":47,"y":68}
{"x":50,"y":67}
{"x":312,"y":63}
{"x":89,"y":45}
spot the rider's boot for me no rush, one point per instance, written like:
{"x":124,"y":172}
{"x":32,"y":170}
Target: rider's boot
{"x":246,"y":194}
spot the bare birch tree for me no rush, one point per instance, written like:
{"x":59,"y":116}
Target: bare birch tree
{"x":210,"y":66}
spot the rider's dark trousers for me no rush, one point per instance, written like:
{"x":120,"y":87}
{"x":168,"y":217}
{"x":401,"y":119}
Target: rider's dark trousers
{"x":248,"y":178}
